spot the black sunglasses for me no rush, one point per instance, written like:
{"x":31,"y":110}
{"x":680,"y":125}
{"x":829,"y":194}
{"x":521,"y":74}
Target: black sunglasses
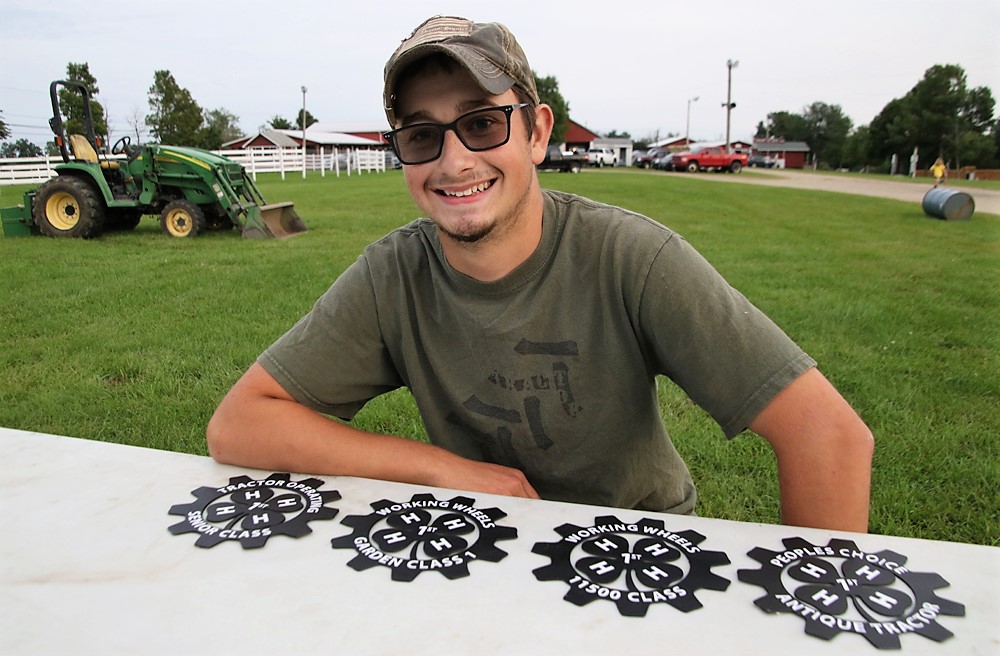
{"x":481,"y":129}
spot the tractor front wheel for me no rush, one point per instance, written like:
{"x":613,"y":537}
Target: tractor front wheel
{"x":182,"y":218}
{"x":68,"y":207}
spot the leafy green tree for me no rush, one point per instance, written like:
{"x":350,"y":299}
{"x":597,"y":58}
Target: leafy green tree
{"x":940,"y":116}
{"x":20,"y":148}
{"x":176,"y":118}
{"x":856,"y":147}
{"x":4,"y":130}
{"x":828,"y":128}
{"x":310,"y":119}
{"x":279,"y":123}
{"x":220,"y":126}
{"x":824,"y":127}
{"x":784,"y":125}
{"x":548,"y":93}
{"x":615,"y":134}
{"x":71,"y":101}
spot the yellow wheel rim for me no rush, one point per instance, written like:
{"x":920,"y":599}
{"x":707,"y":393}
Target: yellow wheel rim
{"x":179,"y":223}
{"x":62,"y":211}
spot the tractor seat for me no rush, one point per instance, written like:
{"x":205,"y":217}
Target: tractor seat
{"x":82,"y":150}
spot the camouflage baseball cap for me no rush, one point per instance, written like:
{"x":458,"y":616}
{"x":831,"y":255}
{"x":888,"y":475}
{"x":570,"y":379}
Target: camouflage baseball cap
{"x":488,"y":51}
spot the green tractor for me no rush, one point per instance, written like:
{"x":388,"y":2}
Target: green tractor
{"x":191,"y":190}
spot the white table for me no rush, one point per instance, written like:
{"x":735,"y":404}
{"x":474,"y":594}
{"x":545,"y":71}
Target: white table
{"x":88,"y":565}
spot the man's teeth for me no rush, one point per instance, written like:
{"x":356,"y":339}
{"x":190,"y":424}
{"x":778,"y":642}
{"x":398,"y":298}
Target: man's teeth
{"x":471,"y":190}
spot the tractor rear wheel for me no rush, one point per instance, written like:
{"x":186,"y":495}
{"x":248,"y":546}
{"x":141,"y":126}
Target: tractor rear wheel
{"x":182,"y":218}
{"x":68,"y":207}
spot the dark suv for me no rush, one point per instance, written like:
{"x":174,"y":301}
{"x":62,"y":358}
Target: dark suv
{"x":644,"y":160}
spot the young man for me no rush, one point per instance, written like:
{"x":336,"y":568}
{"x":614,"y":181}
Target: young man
{"x":530,"y":327}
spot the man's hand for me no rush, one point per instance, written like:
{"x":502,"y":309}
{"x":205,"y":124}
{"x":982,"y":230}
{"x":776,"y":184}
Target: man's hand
{"x":462,"y":474}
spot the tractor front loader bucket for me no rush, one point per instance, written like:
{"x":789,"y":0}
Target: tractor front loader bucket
{"x":273,"y":221}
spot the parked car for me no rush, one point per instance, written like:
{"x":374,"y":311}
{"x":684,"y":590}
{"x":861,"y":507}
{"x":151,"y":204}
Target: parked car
{"x":761,"y":161}
{"x":709,"y":158}
{"x":567,"y":161}
{"x":664,"y":161}
{"x":644,"y":160}
{"x":602,"y":157}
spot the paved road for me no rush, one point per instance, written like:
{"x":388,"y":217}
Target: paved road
{"x":987,"y":200}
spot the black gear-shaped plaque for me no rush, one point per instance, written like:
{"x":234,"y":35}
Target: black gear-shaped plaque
{"x":838,"y":588}
{"x":250,"y":511}
{"x":634,"y":565}
{"x":425,"y":534}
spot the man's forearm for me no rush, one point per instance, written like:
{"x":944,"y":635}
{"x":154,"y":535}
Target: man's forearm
{"x":258,"y":425}
{"x":830,"y":489}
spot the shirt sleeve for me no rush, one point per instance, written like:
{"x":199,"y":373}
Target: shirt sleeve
{"x":334,"y":359}
{"x":708,"y":338}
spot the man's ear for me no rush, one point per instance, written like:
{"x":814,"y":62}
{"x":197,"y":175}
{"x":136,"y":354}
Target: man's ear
{"x":544,"y":120}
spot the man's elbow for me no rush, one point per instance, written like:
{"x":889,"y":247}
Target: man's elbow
{"x":219,"y":435}
{"x":857,"y":440}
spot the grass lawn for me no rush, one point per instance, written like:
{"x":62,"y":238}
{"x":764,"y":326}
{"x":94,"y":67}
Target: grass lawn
{"x":134,"y":337}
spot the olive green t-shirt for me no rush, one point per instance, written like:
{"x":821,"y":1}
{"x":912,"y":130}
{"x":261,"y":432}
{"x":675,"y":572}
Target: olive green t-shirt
{"x":551,"y":369}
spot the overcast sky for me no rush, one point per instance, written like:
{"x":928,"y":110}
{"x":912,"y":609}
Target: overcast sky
{"x":626,"y":65}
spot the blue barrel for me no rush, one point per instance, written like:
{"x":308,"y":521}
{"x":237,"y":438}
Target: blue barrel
{"x":948,"y":204}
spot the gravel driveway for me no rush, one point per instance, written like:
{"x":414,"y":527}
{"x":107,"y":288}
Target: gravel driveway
{"x":987,"y":200}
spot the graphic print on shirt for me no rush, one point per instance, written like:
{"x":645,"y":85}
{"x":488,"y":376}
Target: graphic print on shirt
{"x":542,"y":372}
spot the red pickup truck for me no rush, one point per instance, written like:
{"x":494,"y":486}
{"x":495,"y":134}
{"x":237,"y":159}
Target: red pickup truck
{"x":707,"y":158}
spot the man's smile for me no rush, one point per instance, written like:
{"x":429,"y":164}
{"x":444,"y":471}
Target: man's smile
{"x":469,"y":191}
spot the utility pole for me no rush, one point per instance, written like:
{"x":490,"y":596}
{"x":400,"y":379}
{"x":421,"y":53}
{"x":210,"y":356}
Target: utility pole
{"x":304,"y":131}
{"x":687,"y":130}
{"x":730,"y":64}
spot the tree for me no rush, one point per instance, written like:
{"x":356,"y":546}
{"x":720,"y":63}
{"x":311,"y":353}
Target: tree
{"x":548,"y":93}
{"x":279,"y":123}
{"x":856,"y":147}
{"x":20,"y":148}
{"x":136,"y":122}
{"x":220,"y":126}
{"x":71,"y":101}
{"x":824,"y":127}
{"x":176,"y":118}
{"x":615,"y":134}
{"x":828,"y":128}
{"x":310,"y":119}
{"x":4,"y":130}
{"x":940,"y":116}
{"x":784,"y":125}
{"x":890,"y":133}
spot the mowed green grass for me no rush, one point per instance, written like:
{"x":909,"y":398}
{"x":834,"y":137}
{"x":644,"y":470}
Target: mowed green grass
{"x":134,"y":337}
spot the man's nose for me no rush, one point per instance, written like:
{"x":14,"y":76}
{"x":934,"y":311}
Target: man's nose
{"x":453,"y":151}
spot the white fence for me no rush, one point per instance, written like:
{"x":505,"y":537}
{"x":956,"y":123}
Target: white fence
{"x":33,"y":170}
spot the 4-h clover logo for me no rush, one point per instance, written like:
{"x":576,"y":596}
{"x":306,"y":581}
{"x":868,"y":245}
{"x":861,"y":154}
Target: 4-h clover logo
{"x":838,"y":588}
{"x":635,"y":565}
{"x":250,"y":511}
{"x":644,"y":563}
{"x":425,"y":534}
